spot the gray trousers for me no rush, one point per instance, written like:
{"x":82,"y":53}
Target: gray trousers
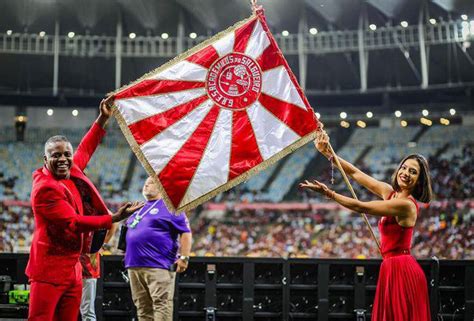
{"x":89,"y":290}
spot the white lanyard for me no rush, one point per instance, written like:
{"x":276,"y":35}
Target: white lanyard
{"x":139,"y":215}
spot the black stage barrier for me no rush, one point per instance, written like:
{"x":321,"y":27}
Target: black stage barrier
{"x":241,"y":289}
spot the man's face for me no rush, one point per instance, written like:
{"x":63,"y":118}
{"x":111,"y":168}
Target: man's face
{"x":58,"y":159}
{"x":150,"y":189}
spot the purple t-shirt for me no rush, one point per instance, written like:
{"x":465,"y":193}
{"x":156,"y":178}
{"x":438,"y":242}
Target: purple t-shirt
{"x":153,"y":242}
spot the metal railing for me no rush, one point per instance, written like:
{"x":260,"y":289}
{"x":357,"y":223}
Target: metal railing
{"x":326,"y":42}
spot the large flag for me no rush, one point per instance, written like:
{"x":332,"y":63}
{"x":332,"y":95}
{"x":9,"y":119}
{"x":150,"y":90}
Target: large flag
{"x":217,"y":114}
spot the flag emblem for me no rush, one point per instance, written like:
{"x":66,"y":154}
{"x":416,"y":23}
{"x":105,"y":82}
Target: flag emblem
{"x":217,"y":114}
{"x":234,"y":81}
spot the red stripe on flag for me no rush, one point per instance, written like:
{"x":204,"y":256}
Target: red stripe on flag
{"x":179,"y":171}
{"x":244,"y":153}
{"x":242,"y":36}
{"x":204,"y":57}
{"x":154,"y":87}
{"x":274,"y":44}
{"x":300,"y":121}
{"x":145,"y":129}
{"x":270,"y":58}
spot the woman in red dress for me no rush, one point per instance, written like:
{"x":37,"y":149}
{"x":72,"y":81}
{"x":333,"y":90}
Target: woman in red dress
{"x":402,"y":291}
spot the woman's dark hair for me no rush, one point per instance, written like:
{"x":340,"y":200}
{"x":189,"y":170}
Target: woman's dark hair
{"x":422,"y":191}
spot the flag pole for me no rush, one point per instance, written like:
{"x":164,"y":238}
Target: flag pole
{"x":348,"y":183}
{"x":254,"y":6}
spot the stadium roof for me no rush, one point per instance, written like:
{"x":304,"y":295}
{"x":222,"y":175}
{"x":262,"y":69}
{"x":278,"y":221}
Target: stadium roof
{"x":449,"y":63}
{"x":142,"y":16}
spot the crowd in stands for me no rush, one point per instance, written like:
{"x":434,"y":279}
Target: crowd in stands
{"x":452,"y":178}
{"x":7,"y":186}
{"x":16,"y":226}
{"x":18,"y":160}
{"x":444,"y":229}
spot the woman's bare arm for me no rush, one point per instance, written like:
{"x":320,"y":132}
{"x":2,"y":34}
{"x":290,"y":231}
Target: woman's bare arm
{"x":377,"y":187}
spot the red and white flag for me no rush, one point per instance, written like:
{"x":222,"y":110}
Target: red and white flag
{"x":217,"y":114}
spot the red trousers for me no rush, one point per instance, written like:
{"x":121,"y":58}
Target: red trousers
{"x":49,"y":302}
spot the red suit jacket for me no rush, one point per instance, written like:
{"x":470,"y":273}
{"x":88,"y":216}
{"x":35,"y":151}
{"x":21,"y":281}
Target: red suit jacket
{"x":60,"y":230}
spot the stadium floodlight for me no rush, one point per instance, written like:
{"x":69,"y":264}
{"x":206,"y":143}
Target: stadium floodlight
{"x":464,"y":17}
{"x":75,"y":112}
{"x":444,"y":121}
{"x":372,"y":27}
{"x":285,"y":33}
{"x":345,"y":124}
{"x":132,"y":35}
{"x":404,"y":24}
{"x":433,"y":21}
{"x":71,"y":34}
{"x":426,"y":121}
{"x":361,"y":124}
{"x":9,"y":32}
{"x":50,"y":112}
{"x":343,"y":115}
{"x":164,"y":35}
{"x":425,"y":112}
{"x":313,"y":31}
{"x":403,"y":123}
{"x":369,"y":114}
{"x":452,"y":111}
{"x":192,"y":35}
{"x":42,"y":34}
{"x":398,"y":114}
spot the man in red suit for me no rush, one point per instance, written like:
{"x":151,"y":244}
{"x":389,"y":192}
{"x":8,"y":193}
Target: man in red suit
{"x":67,"y":208}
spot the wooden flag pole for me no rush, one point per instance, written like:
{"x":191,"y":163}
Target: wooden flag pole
{"x":348,"y":183}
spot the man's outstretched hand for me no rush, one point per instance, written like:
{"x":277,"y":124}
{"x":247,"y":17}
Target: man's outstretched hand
{"x":126,"y":210}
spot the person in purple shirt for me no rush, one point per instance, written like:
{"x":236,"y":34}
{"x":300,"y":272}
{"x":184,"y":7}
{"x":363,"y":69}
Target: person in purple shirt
{"x":153,"y":239}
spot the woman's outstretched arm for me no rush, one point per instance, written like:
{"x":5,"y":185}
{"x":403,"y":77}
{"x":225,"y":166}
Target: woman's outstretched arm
{"x":381,"y":189}
{"x":401,"y":208}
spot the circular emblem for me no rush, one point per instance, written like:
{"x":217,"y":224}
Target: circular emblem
{"x":154,"y":211}
{"x":234,"y":81}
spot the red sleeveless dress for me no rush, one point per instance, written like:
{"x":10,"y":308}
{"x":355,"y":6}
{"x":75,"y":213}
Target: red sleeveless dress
{"x":402,"y":291}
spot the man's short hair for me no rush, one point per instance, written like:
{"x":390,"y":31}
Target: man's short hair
{"x":55,"y":139}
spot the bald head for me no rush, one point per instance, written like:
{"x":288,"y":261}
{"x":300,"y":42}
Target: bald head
{"x":150,"y":190}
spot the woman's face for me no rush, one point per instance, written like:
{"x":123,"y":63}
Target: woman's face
{"x":408,"y":174}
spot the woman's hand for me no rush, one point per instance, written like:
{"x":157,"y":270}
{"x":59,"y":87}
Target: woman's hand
{"x":318,"y":187}
{"x":322,"y":143}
